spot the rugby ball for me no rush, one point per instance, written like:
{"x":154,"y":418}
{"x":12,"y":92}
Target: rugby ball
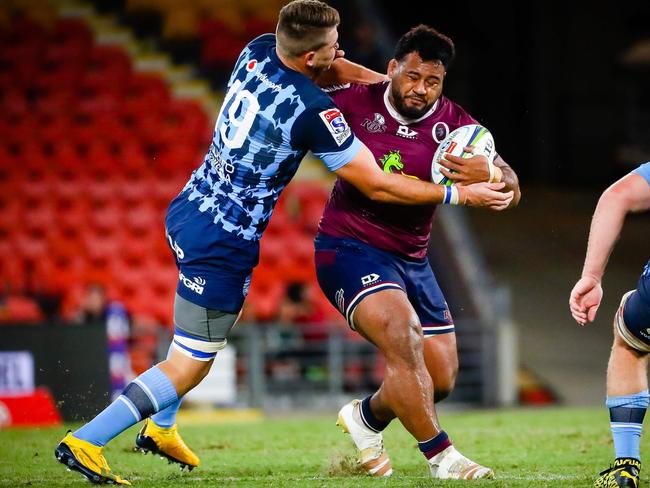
{"x":467,"y":135}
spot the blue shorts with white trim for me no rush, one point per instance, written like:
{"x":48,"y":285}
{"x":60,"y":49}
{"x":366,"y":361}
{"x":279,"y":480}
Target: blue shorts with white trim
{"x":635,"y":314}
{"x":349,"y":270}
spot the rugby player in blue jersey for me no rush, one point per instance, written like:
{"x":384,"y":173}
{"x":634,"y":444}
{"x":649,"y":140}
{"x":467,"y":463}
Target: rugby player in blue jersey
{"x":627,"y":372}
{"x":272,"y":115}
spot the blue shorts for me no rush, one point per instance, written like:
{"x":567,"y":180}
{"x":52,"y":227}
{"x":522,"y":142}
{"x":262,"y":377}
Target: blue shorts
{"x":636,"y":314}
{"x":349,"y":270}
{"x":214,"y":266}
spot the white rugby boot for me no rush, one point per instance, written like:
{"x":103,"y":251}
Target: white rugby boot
{"x":372,"y":455}
{"x":452,"y":465}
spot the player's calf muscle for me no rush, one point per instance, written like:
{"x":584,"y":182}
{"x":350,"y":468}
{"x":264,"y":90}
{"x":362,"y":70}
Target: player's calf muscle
{"x":184,"y":374}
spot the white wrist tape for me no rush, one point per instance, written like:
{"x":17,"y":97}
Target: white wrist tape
{"x":451,"y":195}
{"x":495,"y":175}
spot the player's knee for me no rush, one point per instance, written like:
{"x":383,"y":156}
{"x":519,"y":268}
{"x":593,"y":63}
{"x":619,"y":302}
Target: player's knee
{"x":405,"y":342}
{"x":632,"y":323}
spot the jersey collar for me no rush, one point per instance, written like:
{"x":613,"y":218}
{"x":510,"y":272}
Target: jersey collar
{"x":399,"y":117}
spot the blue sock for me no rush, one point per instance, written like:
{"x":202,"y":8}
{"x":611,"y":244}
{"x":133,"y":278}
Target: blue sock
{"x":167,"y":417}
{"x":626,"y":420}
{"x":369,"y":419}
{"x":148,"y":393}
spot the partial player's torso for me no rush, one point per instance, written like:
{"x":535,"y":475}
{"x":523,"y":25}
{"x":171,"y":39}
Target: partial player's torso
{"x":399,"y":146}
{"x":251,"y":158}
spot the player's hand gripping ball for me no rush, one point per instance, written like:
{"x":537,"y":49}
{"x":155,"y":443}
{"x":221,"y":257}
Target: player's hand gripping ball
{"x":473,"y":135}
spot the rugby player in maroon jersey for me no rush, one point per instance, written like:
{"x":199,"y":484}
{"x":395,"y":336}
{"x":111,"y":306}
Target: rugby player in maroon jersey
{"x":371,"y":257}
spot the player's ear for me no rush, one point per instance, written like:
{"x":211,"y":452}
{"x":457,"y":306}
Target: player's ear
{"x":308,"y":58}
{"x":392,"y":67}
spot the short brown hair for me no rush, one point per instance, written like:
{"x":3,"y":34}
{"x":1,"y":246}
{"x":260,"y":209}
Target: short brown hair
{"x":302,"y":25}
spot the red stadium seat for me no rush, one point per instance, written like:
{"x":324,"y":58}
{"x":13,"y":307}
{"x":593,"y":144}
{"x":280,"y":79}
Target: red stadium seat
{"x":72,"y":31}
{"x":21,"y":309}
{"x":40,"y":218}
{"x":100,"y":192}
{"x":30,"y":248}
{"x":135,"y":252}
{"x":264,"y":299}
{"x":106,"y":222}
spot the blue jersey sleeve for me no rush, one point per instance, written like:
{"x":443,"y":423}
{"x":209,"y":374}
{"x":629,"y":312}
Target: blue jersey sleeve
{"x":324,"y":131}
{"x":644,"y":171}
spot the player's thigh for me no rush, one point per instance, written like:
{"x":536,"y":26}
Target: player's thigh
{"x":388,"y":320}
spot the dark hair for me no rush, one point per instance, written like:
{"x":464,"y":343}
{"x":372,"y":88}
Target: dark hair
{"x":428,"y":43}
{"x":302,"y":26}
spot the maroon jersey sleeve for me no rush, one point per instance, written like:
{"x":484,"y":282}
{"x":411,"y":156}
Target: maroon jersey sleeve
{"x":344,"y":97}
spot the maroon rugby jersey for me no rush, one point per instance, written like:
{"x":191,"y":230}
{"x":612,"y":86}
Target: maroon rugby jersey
{"x":400,"y":146}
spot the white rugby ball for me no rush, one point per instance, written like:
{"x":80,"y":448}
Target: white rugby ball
{"x":467,"y":135}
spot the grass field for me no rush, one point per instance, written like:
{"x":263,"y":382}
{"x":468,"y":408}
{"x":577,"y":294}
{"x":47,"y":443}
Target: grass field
{"x":526,"y":448}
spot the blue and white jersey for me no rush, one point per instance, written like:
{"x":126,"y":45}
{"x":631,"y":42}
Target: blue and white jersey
{"x":270,"y":118}
{"x":644,"y":171}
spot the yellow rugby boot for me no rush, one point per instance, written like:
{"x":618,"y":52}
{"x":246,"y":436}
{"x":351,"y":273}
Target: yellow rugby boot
{"x":624,"y":473}
{"x":87,"y":459}
{"x":166,"y":442}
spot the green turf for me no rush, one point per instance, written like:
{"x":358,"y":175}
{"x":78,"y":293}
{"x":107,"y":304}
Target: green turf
{"x":531,"y":448}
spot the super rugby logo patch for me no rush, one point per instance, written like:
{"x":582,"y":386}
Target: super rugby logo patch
{"x":336,"y":124}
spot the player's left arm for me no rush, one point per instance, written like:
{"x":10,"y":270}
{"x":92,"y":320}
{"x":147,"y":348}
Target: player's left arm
{"x":344,"y":71}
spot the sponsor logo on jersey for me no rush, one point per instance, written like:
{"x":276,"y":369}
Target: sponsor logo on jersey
{"x":376,"y":125}
{"x":197,"y":286}
{"x":180,"y":254}
{"x":404,"y":131}
{"x":392,"y":163}
{"x":340,"y":300}
{"x":336,"y":124}
{"x":251,"y":67}
{"x":222,"y":167}
{"x":440,"y":131}
{"x":369,"y":279}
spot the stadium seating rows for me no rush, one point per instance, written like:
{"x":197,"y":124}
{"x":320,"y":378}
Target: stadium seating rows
{"x":91,"y":153}
{"x":223,"y":27}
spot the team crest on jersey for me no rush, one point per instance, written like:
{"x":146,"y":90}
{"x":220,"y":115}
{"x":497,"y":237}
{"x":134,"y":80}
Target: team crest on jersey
{"x":440,"y":131}
{"x":376,"y":125}
{"x":392,"y":163}
{"x":407,"y":133}
{"x":336,"y":124}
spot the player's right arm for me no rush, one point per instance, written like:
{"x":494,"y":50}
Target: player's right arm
{"x":629,"y":194}
{"x":364,"y":173}
{"x":322,"y":128}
